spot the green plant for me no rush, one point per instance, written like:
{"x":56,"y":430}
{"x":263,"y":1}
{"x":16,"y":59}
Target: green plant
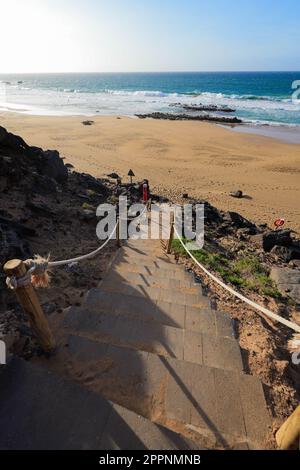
{"x":245,"y":272}
{"x":86,"y":206}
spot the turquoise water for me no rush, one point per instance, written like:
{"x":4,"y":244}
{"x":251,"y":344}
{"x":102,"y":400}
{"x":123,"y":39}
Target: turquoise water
{"x":258,"y":97}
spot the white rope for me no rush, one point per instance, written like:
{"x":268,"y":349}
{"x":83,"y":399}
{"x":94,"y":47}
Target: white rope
{"x":265,"y":311}
{"x":56,"y":264}
{"x":39,"y":265}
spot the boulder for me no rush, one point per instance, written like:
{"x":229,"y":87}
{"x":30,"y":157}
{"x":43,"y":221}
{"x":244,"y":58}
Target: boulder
{"x":88,"y":123}
{"x":12,"y":141}
{"x":237,"y":194}
{"x":295,"y":263}
{"x":54,"y":166}
{"x":85,"y":181}
{"x":270,"y":239}
{"x":281,"y":252}
{"x":287,"y":281}
{"x":295,"y":250}
{"x":113,"y":176}
{"x":285,"y":253}
{"x":212,"y":214}
{"x":48,"y":163}
{"x":236,"y":220}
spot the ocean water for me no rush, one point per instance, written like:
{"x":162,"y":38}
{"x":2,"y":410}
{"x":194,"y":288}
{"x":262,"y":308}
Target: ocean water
{"x":257,"y":97}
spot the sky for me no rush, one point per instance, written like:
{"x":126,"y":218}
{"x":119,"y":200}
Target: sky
{"x":43,"y":36}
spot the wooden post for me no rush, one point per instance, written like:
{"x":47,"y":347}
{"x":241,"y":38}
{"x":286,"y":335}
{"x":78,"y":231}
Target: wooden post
{"x":288,"y":436}
{"x":30,"y":303}
{"x":171,"y":233}
{"x":118,"y":234}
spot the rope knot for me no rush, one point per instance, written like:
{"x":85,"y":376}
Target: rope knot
{"x":38,"y":268}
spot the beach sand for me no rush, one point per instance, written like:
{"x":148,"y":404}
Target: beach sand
{"x":204,"y":160}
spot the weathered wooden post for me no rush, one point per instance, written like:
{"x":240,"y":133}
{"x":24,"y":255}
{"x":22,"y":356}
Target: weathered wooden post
{"x":288,"y":436}
{"x":30,"y":303}
{"x":149,"y":204}
{"x":171,"y":233}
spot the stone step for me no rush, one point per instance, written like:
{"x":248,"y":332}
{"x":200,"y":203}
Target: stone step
{"x":99,"y":300}
{"x":41,"y":411}
{"x":129,"y":250}
{"x":134,"y":279}
{"x":202,"y":319}
{"x":226,"y":407}
{"x":148,"y":251}
{"x":155,"y":293}
{"x":143,"y":249}
{"x":159,"y":260}
{"x":170,"y":273}
{"x":143,"y":244}
{"x":152,"y":263}
{"x":155,"y":338}
{"x":141,"y":278}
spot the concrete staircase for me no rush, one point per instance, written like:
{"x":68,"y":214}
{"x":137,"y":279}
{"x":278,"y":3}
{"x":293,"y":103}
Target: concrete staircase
{"x":148,"y":340}
{"x":41,"y":411}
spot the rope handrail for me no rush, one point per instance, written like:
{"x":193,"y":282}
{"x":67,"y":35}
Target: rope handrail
{"x":56,"y":264}
{"x":265,"y":311}
{"x":37,"y":267}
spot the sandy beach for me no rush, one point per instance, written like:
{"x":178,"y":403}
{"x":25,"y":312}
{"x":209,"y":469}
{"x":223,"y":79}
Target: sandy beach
{"x":204,"y":160}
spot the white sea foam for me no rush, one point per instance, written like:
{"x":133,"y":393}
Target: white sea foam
{"x":72,"y":101}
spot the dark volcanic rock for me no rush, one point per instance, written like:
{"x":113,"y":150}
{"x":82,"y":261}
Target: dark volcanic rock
{"x":212,"y":215}
{"x":187,"y":117}
{"x":88,"y":123}
{"x":69,"y":166}
{"x":282,"y":252}
{"x":85,"y":181}
{"x":268,"y":240}
{"x":113,"y":176}
{"x":287,"y":253}
{"x":11,"y":245}
{"x":237,"y":194}
{"x":54,"y":166}
{"x":210,"y":108}
{"x":40,"y":209}
{"x":12,"y":141}
{"x":23,"y":157}
{"x":236,"y":220}
{"x":44,"y":185}
{"x":20,"y":229}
